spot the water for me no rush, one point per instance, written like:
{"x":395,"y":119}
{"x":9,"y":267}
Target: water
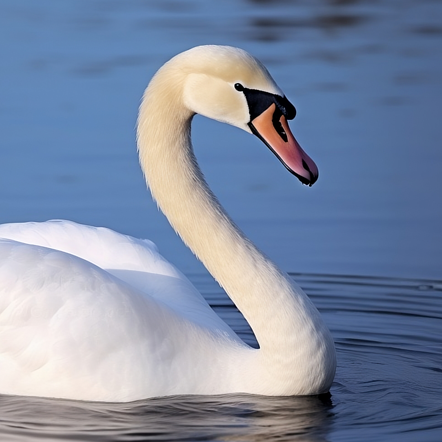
{"x":366,"y":80}
{"x":387,"y":386}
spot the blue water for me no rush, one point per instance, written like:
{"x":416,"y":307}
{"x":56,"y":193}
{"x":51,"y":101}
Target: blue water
{"x":366,"y":80}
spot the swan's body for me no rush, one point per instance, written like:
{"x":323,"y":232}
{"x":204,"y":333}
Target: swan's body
{"x":86,"y":313}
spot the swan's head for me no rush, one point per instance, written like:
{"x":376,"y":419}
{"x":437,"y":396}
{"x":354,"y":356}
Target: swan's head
{"x":229,"y":85}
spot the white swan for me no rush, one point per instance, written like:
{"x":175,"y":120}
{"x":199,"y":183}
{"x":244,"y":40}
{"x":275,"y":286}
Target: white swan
{"x":87,"y":313}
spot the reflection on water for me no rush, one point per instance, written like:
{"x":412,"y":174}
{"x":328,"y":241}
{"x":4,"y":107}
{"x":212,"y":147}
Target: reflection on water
{"x":389,"y":346}
{"x":275,"y":28}
{"x":233,"y":418}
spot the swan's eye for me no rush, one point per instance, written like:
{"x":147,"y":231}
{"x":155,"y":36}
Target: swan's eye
{"x":239,"y":87}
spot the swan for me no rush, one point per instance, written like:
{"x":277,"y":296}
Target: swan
{"x":90,"y":314}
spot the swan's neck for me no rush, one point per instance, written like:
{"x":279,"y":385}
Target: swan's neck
{"x":285,"y":322}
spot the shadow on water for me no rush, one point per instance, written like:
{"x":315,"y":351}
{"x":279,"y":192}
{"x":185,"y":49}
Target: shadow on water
{"x":327,"y":17}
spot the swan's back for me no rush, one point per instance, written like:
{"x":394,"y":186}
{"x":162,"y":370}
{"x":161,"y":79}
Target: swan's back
{"x":135,"y":261}
{"x":100,"y":308}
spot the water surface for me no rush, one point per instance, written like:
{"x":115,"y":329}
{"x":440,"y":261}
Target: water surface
{"x":366,"y":80}
{"x":387,"y":386}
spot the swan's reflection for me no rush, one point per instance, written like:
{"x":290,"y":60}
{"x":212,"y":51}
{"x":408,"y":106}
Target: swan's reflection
{"x":226,"y":417}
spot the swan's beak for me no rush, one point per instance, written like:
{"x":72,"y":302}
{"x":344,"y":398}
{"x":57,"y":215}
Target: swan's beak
{"x":272,"y":127}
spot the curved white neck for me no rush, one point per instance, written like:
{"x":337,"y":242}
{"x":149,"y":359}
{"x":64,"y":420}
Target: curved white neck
{"x":283,"y":319}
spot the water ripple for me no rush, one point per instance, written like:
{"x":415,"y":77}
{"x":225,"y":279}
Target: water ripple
{"x":388,"y":382}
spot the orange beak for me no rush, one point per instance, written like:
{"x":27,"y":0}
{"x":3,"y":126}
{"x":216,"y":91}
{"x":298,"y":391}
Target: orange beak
{"x":272,"y":127}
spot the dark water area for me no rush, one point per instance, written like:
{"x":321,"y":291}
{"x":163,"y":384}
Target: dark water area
{"x":366,"y":79}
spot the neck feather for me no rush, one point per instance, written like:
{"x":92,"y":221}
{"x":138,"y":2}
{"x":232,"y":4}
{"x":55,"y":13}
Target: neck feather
{"x":281,"y":316}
